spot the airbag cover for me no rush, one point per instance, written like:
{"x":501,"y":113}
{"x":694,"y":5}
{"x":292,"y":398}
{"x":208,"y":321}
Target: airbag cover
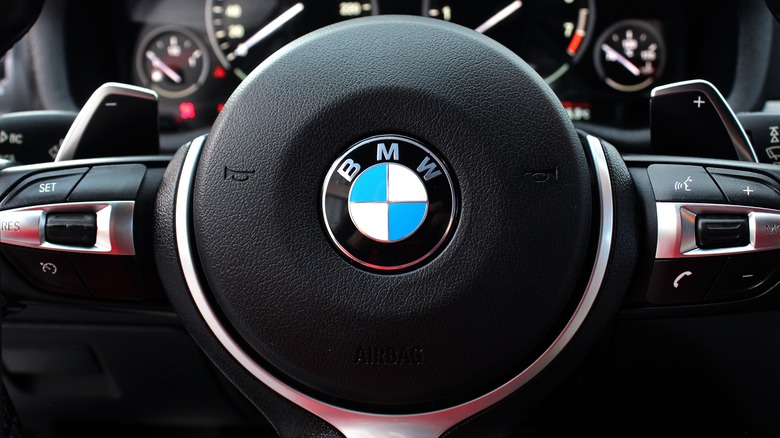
{"x":474,"y":315}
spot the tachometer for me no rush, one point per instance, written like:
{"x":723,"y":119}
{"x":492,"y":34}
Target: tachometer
{"x":244,"y":32}
{"x":548,"y":34}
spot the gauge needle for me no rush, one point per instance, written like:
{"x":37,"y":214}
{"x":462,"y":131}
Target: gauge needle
{"x":268,"y":29}
{"x":163,"y":67}
{"x":634,"y":70}
{"x":500,"y":16}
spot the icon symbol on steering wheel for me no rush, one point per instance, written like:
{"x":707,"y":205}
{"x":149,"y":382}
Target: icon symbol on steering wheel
{"x":676,"y":282}
{"x":49,"y":268}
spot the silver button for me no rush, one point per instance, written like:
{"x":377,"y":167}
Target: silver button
{"x":21,"y":227}
{"x":767,"y":230}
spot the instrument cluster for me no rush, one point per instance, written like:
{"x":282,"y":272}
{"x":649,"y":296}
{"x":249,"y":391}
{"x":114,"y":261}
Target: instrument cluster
{"x":601,"y":57}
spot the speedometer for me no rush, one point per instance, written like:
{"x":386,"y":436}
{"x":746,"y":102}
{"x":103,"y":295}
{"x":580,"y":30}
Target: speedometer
{"x":244,"y":32}
{"x":548,"y":34}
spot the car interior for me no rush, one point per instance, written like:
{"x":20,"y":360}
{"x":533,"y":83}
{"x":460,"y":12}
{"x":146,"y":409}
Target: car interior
{"x":390,"y":218}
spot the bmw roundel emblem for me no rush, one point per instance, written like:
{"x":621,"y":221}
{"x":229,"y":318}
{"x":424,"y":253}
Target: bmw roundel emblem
{"x":388,"y":203}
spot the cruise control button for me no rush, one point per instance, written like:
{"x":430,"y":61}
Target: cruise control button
{"x":684,"y":281}
{"x":47,"y":270}
{"x":44,"y":188}
{"x":672,"y":182}
{"x":118,"y":182}
{"x":21,"y":227}
{"x":743,"y":188}
{"x":77,"y":229}
{"x":744,"y":276}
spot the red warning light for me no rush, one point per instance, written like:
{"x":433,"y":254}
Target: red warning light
{"x":219,"y":107}
{"x":187,"y":110}
{"x":220,"y":73}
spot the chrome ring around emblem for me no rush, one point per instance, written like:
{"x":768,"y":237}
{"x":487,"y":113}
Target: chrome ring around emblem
{"x":389,"y":203}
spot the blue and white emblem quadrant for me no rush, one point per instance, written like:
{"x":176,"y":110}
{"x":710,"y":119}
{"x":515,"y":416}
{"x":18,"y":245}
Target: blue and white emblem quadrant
{"x":388,"y":202}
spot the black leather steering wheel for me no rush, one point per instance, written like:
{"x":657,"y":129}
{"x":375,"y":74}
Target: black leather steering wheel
{"x":403,"y":337}
{"x":505,"y":241}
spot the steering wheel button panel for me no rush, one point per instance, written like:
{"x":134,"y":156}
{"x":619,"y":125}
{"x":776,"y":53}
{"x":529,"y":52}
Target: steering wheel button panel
{"x":673,"y":182}
{"x":113,"y":232}
{"x":44,"y":188}
{"x":682,"y":281}
{"x":677,"y":234}
{"x":48,"y":270}
{"x":38,"y":135}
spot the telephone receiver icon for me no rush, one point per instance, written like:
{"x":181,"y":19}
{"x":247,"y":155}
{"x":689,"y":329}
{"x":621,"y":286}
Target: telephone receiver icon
{"x":676,"y":283}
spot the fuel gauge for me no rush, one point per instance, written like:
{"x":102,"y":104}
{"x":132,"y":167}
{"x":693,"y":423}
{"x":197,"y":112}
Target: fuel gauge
{"x":630,"y":55}
{"x":172,"y":61}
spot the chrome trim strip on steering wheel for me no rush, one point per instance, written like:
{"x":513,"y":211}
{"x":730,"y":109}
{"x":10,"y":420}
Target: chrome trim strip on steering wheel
{"x":114,"y":221}
{"x":370,"y":425}
{"x":677,"y":229}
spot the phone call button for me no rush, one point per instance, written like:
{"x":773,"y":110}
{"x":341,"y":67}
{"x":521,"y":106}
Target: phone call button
{"x":683,"y":281}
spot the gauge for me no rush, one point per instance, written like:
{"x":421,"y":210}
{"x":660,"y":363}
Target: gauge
{"x":549,"y":35}
{"x":630,"y":55}
{"x":172,"y":61}
{"x":244,"y":32}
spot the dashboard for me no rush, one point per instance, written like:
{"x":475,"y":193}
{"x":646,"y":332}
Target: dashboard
{"x":601,"y":57}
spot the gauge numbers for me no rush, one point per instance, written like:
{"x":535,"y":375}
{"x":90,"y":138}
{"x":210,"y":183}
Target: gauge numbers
{"x":548,"y":34}
{"x":245,"y":32}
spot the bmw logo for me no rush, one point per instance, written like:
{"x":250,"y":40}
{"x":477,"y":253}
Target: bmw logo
{"x":388,"y":203}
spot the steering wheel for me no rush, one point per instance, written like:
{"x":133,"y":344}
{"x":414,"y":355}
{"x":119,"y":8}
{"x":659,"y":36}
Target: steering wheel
{"x":394,"y":229}
{"x":296,"y":257}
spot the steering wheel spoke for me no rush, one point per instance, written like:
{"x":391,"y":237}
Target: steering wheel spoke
{"x":711,"y":229}
{"x":79,"y":232}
